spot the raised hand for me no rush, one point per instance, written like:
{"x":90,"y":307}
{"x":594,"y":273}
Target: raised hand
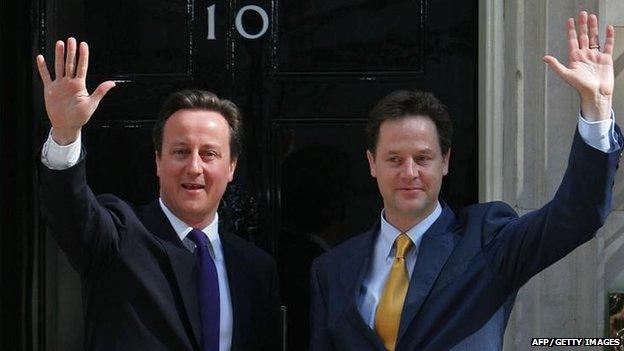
{"x":589,"y":71}
{"x":67,"y":100}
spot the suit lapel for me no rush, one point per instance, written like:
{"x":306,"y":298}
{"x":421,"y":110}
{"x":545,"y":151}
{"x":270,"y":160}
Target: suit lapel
{"x":358,"y":263}
{"x":435,"y":249}
{"x":183,"y":263}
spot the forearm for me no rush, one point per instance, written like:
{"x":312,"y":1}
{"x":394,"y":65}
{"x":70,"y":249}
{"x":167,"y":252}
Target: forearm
{"x":83,"y":228}
{"x":525,"y":246}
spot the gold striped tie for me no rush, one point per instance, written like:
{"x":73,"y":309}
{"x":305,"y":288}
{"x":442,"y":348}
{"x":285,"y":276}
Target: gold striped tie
{"x":388,"y":315}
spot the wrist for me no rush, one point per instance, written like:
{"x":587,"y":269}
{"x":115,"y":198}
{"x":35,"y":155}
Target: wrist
{"x":65,"y":136}
{"x":596,"y":108}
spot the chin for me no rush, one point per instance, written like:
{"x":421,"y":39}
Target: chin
{"x":411,"y":206}
{"x":196,"y":211}
{"x":411,"y":210}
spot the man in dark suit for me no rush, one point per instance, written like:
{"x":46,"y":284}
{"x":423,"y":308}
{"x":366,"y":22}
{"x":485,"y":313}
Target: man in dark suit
{"x":163,"y":276}
{"x":425,"y":279}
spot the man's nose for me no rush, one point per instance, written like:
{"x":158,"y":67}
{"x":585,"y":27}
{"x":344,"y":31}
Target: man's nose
{"x":194,"y":164}
{"x":409,"y":169}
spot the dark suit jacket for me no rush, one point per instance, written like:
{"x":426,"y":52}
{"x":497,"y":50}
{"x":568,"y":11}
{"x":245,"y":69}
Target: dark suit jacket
{"x":139,"y":281}
{"x":467,"y":266}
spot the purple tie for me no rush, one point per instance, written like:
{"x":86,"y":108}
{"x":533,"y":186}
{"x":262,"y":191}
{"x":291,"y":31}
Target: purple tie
{"x":208,"y":292}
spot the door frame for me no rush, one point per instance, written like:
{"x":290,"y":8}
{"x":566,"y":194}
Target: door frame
{"x":490,"y":94}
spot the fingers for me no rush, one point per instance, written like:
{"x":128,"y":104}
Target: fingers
{"x":101,"y":90}
{"x":555,"y":65}
{"x":70,"y":60}
{"x":43,"y":70}
{"x":59,"y":60}
{"x":65,"y":65}
{"x":582,"y":29}
{"x":594,"y":42}
{"x":83,"y":61}
{"x":572,"y":38}
{"x":610,"y":39}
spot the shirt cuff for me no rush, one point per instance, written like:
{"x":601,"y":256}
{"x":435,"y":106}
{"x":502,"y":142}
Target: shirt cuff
{"x":59,"y":157}
{"x":599,"y":134}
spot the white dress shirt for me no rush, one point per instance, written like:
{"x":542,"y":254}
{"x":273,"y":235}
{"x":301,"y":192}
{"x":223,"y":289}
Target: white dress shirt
{"x":599,"y":135}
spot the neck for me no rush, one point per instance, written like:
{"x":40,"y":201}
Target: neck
{"x":193,"y":221}
{"x":406,"y":221}
{"x":197,"y":223}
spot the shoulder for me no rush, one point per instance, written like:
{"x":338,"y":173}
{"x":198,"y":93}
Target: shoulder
{"x":486,"y":219}
{"x":118,"y":207}
{"x":486,"y":211}
{"x":110,"y":200}
{"x":350,"y":249}
{"x":245,"y":251}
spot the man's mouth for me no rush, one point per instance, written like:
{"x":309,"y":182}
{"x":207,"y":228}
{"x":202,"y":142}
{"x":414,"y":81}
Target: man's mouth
{"x":411,"y":188}
{"x":191,"y":186}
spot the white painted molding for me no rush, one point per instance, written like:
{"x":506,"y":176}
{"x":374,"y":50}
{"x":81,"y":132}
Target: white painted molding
{"x":491,"y":96}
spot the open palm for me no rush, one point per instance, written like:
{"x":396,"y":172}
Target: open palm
{"x":589,"y":70}
{"x":68,"y":103}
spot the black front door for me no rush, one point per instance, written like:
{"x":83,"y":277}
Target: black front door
{"x":305,"y":73}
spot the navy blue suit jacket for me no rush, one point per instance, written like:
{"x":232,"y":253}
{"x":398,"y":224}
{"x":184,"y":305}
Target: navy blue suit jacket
{"x":467,"y":265}
{"x":139,"y":282}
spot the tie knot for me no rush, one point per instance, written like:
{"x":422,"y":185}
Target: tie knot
{"x":403,"y":243}
{"x":199,"y":238}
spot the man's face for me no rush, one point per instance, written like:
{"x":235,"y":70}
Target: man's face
{"x":195,"y":165}
{"x":409,"y":165}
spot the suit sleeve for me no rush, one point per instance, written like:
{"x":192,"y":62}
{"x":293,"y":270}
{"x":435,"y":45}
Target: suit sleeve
{"x":518,"y":248}
{"x":86,"y":231}
{"x":319,"y":335}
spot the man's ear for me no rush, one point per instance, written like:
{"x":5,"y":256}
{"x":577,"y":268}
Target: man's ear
{"x":232,"y":166}
{"x":371,"y":163}
{"x":446,"y":158}
{"x":157,"y":159}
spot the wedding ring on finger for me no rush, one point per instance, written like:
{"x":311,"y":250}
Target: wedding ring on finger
{"x":594,"y":44}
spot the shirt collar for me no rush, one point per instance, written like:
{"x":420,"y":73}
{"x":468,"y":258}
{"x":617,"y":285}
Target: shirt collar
{"x":182,"y":229}
{"x":388,"y":233}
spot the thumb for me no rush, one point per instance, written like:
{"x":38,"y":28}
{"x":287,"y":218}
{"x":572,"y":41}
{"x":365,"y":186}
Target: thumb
{"x":556,"y":66}
{"x":101,"y":90}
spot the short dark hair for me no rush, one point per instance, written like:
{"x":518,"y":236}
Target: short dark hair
{"x":201,"y":100}
{"x":401,"y":104}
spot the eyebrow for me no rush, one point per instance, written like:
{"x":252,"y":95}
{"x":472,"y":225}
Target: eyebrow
{"x":423,"y":151}
{"x":182,"y":143}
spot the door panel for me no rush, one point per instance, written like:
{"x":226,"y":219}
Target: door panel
{"x":350,"y":37}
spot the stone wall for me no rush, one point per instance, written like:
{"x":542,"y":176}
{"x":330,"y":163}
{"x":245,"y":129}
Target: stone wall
{"x":539,"y":115}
